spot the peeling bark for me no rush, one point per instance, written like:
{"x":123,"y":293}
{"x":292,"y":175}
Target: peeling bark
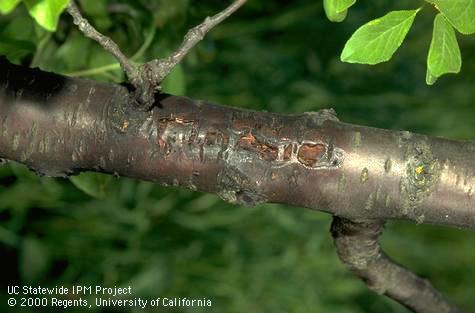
{"x":59,"y":126}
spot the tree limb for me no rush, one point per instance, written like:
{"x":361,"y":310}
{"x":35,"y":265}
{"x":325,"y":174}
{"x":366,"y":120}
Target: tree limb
{"x":59,"y":126}
{"x":357,"y":246}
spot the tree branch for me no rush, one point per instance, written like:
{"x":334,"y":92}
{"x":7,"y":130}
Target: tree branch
{"x":357,"y":246}
{"x":161,"y":68}
{"x":147,"y":78}
{"x":59,"y":126}
{"x":108,"y":44}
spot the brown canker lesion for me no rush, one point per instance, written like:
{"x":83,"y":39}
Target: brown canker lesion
{"x":310,"y":154}
{"x":248,"y":144}
{"x":265,"y":151}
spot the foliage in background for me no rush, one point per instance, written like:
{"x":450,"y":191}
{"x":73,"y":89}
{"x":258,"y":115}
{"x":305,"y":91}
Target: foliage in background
{"x":378,"y":40}
{"x":45,"y":12}
{"x":274,"y":56}
{"x":373,"y":43}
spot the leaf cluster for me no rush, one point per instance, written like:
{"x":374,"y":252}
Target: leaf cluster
{"x":377,"y":40}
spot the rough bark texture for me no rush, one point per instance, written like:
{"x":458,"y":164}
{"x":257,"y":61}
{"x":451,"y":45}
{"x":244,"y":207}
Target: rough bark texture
{"x":357,"y":246}
{"x":59,"y":126}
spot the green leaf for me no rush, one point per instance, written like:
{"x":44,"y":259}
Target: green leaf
{"x":336,"y":10}
{"x":460,"y":13}
{"x":342,"y":5}
{"x":73,"y":53}
{"x":46,"y":12}
{"x":17,"y":38}
{"x":93,"y":184}
{"x":15,"y":49}
{"x":430,"y":79}
{"x":377,"y":40}
{"x":444,"y":53}
{"x":175,"y":83}
{"x":34,"y":260}
{"x":6,"y":6}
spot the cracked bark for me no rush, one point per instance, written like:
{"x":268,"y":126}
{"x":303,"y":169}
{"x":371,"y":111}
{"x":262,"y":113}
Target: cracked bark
{"x":59,"y":126}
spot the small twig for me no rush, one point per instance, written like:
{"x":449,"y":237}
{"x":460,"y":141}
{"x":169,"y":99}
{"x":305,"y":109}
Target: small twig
{"x":108,"y":44}
{"x":155,"y":71}
{"x":193,"y":37}
{"x":357,"y":246}
{"x":114,"y":66}
{"x":39,"y":50}
{"x":94,"y":71}
{"x":147,"y":78}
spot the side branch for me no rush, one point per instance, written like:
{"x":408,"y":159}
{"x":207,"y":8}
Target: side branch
{"x":146,"y":79}
{"x":161,"y":68}
{"x":357,"y":246}
{"x":108,"y":44}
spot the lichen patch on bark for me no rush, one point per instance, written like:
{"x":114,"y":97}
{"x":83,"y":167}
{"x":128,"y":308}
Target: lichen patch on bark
{"x":235,"y":187}
{"x":356,"y":141}
{"x":364,"y":175}
{"x":421,"y":176}
{"x":388,"y":165}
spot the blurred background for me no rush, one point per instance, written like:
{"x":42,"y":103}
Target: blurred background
{"x":280,"y":56}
